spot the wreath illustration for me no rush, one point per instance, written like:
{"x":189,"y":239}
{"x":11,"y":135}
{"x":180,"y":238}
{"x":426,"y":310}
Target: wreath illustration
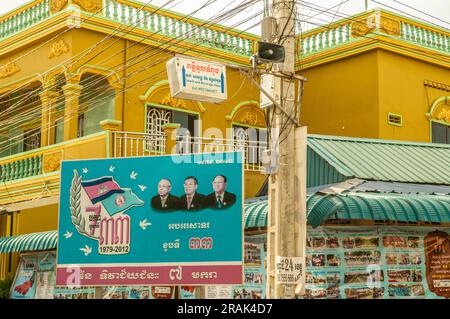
{"x":75,"y":204}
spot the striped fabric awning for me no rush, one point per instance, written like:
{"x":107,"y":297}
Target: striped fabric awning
{"x":256,"y":214}
{"x":29,"y":242}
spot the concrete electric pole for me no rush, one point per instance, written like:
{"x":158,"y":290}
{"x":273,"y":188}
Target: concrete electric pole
{"x":286,"y":236}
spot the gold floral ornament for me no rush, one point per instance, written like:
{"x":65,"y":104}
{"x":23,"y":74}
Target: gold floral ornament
{"x":57,"y":5}
{"x":251,"y":118}
{"x":52,"y":162}
{"x":58,"y":48}
{"x":92,"y":6}
{"x":360,"y":28}
{"x":173,"y":102}
{"x":444,"y":115}
{"x":390,"y":26}
{"x":8,"y":69}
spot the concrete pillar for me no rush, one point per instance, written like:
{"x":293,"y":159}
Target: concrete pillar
{"x":111,"y":126}
{"x":170,"y":131}
{"x":72,"y":93}
{"x":48,"y":99}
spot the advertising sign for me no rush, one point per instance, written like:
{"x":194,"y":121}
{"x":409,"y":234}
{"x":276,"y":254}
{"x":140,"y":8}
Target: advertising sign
{"x":46,"y":275}
{"x":159,"y":220}
{"x":254,"y":286}
{"x":24,"y":286}
{"x":378,"y":263}
{"x":138,"y":292}
{"x":35,"y":277}
{"x":288,"y":270}
{"x":197,"y":80}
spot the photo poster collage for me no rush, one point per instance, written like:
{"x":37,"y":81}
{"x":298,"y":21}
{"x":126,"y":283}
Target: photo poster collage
{"x":35,"y":277}
{"x":254,"y":280}
{"x":379,"y":263}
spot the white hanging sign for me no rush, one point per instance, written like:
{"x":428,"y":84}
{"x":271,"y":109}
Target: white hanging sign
{"x":198,"y":80}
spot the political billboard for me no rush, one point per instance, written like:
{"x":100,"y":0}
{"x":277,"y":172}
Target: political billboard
{"x":155,"y":220}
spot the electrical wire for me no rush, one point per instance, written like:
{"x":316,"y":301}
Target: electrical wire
{"x":130,"y":46}
{"x":408,"y":14}
{"x":83,"y":53}
{"x":239,"y":33}
{"x":251,"y":2}
{"x":424,"y":13}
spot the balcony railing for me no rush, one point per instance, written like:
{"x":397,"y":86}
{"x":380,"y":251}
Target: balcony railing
{"x":252,"y":151}
{"x":366,"y":25}
{"x":163,"y":22}
{"x":47,"y":159}
{"x":24,"y":17}
{"x":175,"y":25}
{"x":127,"y":144}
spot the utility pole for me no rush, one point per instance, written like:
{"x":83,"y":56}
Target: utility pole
{"x":287,"y":185}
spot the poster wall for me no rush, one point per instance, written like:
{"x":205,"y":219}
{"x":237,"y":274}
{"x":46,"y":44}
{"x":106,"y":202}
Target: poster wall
{"x":155,"y":292}
{"x":401,"y":262}
{"x":254,"y":282}
{"x":35,"y":277}
{"x":74,"y":293}
{"x":159,"y":220}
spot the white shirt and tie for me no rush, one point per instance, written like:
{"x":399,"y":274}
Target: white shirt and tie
{"x":163,"y":201}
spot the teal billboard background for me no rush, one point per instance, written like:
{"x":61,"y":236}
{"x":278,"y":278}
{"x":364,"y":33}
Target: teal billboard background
{"x":141,"y":175}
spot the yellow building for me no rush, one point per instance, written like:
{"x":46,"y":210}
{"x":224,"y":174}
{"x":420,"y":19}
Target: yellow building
{"x":377,"y":75}
{"x":87,"y":79}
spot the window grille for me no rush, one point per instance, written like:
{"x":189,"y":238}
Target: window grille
{"x":155,"y":120}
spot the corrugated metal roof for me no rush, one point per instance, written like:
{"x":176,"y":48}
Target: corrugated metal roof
{"x":405,"y":188}
{"x":378,"y":206}
{"x":383,"y":160}
{"x":361,"y":206}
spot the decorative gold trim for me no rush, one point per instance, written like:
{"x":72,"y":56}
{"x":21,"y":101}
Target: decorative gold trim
{"x":57,"y":5}
{"x":361,"y":28}
{"x":58,"y":48}
{"x":250,"y":118}
{"x":92,"y":6}
{"x":389,"y":26}
{"x":173,"y":102}
{"x":52,"y":161}
{"x":8,"y":69}
{"x":442,"y":112}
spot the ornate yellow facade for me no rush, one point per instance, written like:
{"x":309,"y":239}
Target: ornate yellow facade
{"x":84,"y":103}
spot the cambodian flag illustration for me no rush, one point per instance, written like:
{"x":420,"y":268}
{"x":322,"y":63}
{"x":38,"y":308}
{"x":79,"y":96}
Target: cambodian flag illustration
{"x":114,"y":199}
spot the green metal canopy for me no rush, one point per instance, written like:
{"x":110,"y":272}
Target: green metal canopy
{"x":256,"y":214}
{"x":334,"y":159}
{"x":378,"y":206}
{"x":362,"y":206}
{"x":29,"y":242}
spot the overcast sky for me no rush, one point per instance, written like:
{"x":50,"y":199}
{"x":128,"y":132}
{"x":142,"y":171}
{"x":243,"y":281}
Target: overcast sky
{"x":433,"y":11}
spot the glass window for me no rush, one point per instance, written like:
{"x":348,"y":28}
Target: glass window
{"x":440,"y":133}
{"x":31,"y":139}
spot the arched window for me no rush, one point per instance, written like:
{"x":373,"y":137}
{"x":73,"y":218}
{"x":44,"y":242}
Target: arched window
{"x":439,"y":116}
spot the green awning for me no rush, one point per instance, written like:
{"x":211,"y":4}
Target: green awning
{"x":256,"y":214}
{"x":379,"y":206}
{"x":29,"y":242}
{"x":362,"y":206}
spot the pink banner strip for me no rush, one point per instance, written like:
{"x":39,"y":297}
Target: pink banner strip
{"x":149,"y":275}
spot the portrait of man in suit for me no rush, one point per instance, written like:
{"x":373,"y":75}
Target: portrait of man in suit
{"x":165,"y":201}
{"x":192,"y":200}
{"x":220,"y":198}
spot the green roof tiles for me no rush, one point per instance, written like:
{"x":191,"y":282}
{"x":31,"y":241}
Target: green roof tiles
{"x":383,"y":160}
